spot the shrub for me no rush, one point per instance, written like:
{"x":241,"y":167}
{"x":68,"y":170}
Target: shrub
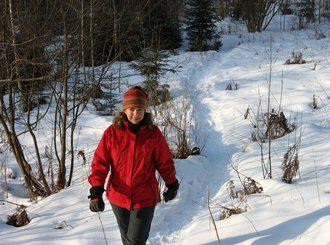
{"x":19,"y":218}
{"x":250,"y":186}
{"x":277,"y":125}
{"x":296,"y":58}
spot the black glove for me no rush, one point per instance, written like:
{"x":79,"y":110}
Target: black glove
{"x":96,"y":203}
{"x":172,"y":190}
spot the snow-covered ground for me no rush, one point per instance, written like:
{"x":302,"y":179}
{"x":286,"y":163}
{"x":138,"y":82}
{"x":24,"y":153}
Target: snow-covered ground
{"x":297,"y":213}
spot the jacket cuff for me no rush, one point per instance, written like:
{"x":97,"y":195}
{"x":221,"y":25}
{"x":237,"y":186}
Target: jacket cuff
{"x":173,"y":186}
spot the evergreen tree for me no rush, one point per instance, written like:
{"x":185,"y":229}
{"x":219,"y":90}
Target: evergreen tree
{"x":201,"y":29}
{"x":152,"y":65}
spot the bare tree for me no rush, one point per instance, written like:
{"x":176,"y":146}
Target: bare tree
{"x":258,"y":13}
{"x":24,"y":73}
{"x":44,"y":49}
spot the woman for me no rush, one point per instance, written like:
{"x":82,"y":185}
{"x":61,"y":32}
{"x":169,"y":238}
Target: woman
{"x":132,"y":149}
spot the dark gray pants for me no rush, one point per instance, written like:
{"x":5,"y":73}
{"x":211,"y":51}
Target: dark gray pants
{"x":134,"y":225}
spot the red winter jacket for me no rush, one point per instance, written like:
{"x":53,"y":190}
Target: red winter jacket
{"x":132,"y":160}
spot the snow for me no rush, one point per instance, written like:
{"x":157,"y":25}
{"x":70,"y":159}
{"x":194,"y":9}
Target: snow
{"x":297,"y":213}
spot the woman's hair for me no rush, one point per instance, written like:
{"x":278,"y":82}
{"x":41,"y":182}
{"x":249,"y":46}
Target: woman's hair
{"x":121,"y":117}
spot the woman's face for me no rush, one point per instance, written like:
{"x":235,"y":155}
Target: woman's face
{"x":134,"y":115}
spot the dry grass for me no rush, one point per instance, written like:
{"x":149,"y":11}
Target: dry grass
{"x":290,"y":164}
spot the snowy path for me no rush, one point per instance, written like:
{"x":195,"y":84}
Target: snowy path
{"x":188,"y":215}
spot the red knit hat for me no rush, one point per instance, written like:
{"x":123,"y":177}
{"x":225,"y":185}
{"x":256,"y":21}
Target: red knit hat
{"x":135,"y":97}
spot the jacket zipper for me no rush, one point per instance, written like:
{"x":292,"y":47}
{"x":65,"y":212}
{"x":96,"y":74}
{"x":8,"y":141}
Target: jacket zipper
{"x":133,"y":164}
